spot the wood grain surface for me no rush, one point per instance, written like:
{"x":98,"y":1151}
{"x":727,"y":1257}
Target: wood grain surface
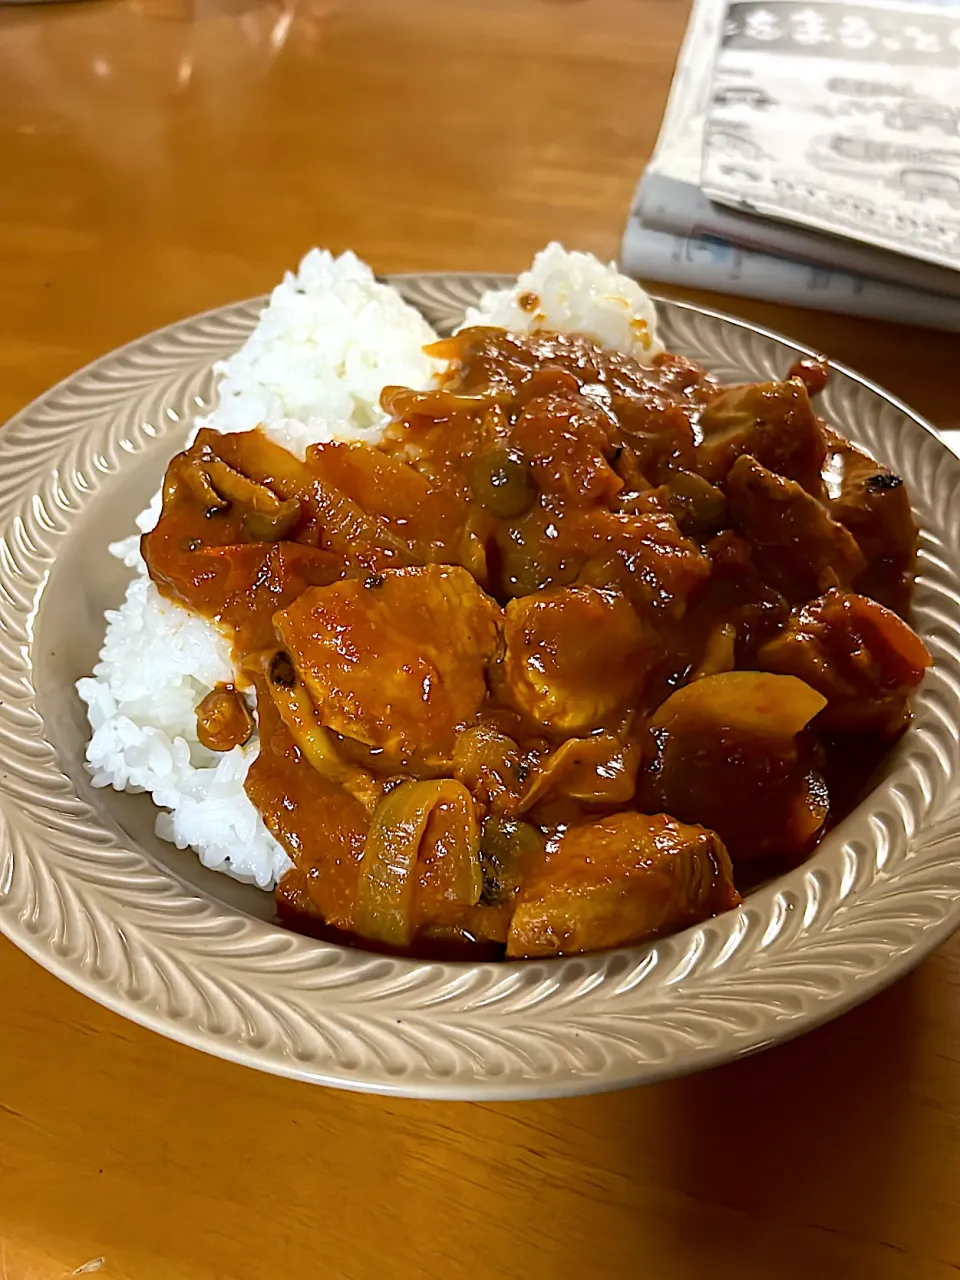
{"x":158,"y":158}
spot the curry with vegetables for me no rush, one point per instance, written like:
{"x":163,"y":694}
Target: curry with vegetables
{"x":575,"y":650}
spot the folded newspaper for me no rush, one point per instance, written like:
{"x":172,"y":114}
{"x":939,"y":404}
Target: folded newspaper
{"x":838,"y":121}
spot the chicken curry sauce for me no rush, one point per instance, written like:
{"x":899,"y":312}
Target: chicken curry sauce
{"x":577,"y":648}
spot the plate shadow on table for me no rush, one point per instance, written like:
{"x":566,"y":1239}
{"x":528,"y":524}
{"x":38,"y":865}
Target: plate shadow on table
{"x":801,"y":1149}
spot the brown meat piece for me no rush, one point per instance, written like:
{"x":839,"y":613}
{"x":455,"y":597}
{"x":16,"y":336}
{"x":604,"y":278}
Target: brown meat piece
{"x":567,"y":440}
{"x":664,"y":443}
{"x":799,"y":549}
{"x":736,"y":594}
{"x":859,"y":655}
{"x":264,"y":579}
{"x":686,"y":377}
{"x":728,"y":750}
{"x":574,"y":657}
{"x":619,"y":881}
{"x":772,"y":421}
{"x":396,"y":660}
{"x":869,"y":500}
{"x":322,"y":828}
{"x":644,"y":555}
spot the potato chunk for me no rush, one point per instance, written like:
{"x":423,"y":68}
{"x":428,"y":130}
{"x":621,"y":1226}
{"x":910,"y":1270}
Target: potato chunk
{"x":729,"y":753}
{"x":574,"y":656}
{"x":395,"y":660}
{"x":619,"y":881}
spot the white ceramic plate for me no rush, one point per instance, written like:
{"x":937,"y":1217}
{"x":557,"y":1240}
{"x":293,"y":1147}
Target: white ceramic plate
{"x":89,"y":891}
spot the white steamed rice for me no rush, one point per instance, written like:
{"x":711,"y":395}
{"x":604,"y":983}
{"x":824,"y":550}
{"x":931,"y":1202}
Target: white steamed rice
{"x":330,"y":339}
{"x":575,"y":293}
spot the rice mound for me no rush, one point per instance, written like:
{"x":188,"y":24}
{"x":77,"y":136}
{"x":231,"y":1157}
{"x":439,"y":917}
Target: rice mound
{"x":575,"y":293}
{"x":312,"y":371}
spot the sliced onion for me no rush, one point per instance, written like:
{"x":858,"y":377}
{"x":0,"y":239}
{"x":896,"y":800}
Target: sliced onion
{"x":266,"y":517}
{"x":719,"y":653}
{"x":298,"y":713}
{"x":753,"y":703}
{"x":402,"y":402}
{"x":216,"y":485}
{"x":348,"y":528}
{"x":386,"y":895}
{"x":187,"y":469}
{"x":488,"y":764}
{"x":598,"y":770}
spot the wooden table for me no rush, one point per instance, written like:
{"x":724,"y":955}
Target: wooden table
{"x":156,"y":160}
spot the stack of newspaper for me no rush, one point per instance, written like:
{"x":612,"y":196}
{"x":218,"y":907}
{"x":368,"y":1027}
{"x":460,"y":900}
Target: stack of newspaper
{"x":810,"y":155}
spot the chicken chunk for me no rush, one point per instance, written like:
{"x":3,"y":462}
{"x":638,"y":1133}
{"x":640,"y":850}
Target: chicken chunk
{"x":645,"y":555}
{"x":860,"y":656}
{"x":729,"y":751}
{"x":774,"y":422}
{"x":396,"y":660}
{"x":662,"y":442}
{"x":574,"y":656}
{"x":258,"y":580}
{"x":567,"y":440}
{"x":619,"y":881}
{"x":799,"y":549}
{"x":869,"y":500}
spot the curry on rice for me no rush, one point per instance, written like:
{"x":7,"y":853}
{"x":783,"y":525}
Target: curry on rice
{"x":574,"y":651}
